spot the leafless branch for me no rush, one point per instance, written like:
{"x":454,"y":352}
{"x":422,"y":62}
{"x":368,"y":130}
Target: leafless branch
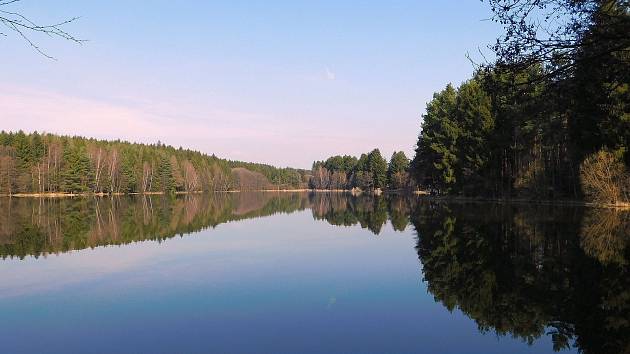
{"x":23,"y":26}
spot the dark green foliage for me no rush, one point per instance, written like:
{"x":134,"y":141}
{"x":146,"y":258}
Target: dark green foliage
{"x":397,"y":171}
{"x":344,"y":163}
{"x":523,"y":127}
{"x":165,"y":180}
{"x":486,"y":138}
{"x":77,"y":173}
{"x":436,"y":152}
{"x":476,"y":123}
{"x":46,"y":163}
{"x":128,"y":181}
{"x":398,"y":163}
{"x":345,"y":172}
{"x":377,"y":168}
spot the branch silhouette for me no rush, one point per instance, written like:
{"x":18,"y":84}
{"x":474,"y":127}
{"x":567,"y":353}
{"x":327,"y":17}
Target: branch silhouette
{"x":17,"y":23}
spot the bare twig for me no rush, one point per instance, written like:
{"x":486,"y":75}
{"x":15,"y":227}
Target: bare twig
{"x":23,"y":26}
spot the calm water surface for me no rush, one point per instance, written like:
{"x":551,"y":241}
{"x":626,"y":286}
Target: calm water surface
{"x":288,"y":273}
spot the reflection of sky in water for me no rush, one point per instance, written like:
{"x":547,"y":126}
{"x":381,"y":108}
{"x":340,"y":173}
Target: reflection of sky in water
{"x":284,"y":283}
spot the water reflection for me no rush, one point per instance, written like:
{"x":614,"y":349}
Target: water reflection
{"x":35,"y":227}
{"x":531,"y":271}
{"x":516,"y":270}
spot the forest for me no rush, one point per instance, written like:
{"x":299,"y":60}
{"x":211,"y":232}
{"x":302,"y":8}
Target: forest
{"x":549,"y":119}
{"x":44,"y":163}
{"x":48,"y":164}
{"x":368,"y":172}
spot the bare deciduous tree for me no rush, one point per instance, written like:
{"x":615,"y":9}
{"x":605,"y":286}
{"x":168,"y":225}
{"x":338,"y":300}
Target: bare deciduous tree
{"x":604,"y":178}
{"x":191,"y":178}
{"x":560,"y":34}
{"x":16,"y":22}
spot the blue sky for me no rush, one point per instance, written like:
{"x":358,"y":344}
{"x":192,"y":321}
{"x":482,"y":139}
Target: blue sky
{"x":280,"y":82}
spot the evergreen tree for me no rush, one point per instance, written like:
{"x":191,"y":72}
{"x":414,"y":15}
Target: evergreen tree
{"x":436,"y":153}
{"x":360,"y":176}
{"x":166,"y":182}
{"x":377,"y":168}
{"x":77,"y":170}
{"x":397,"y":171}
{"x":128,"y":178}
{"x":476,"y":123}
{"x":38,"y":149}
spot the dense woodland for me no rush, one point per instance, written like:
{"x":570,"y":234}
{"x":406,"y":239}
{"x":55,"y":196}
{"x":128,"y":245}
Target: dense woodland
{"x":549,"y":119}
{"x":368,"y":172}
{"x":46,"y":163}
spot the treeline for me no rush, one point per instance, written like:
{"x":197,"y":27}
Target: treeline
{"x":536,"y":124}
{"x":285,"y":177}
{"x":368,"y":172}
{"x":46,"y":163}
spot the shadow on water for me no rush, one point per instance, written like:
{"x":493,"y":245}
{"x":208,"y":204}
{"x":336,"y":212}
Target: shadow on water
{"x":517,"y":270}
{"x":530,"y":271}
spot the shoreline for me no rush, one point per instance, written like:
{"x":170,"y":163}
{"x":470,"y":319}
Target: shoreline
{"x":90,"y":194}
{"x":551,"y":202}
{"x":419,"y":194}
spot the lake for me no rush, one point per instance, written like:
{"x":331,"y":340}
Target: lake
{"x":310,"y":273}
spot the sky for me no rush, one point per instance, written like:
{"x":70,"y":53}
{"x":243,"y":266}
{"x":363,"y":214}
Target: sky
{"x":278,"y":82}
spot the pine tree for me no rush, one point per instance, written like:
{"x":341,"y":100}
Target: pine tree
{"x":129,"y":179}
{"x":436,"y":154}
{"x":166,"y":182}
{"x":476,"y":122}
{"x":77,"y":172}
{"x":377,"y":167}
{"x":397,"y":171}
{"x":360,"y":175}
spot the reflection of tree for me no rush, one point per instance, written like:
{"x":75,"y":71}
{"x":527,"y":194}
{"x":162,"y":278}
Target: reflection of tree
{"x":520,"y":271}
{"x":399,"y":207}
{"x":606,"y":234}
{"x":336,"y":208}
{"x":41,"y":226}
{"x":523,"y":271}
{"x":369,"y":211}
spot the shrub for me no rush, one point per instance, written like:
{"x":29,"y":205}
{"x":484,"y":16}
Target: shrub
{"x":604,"y":178}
